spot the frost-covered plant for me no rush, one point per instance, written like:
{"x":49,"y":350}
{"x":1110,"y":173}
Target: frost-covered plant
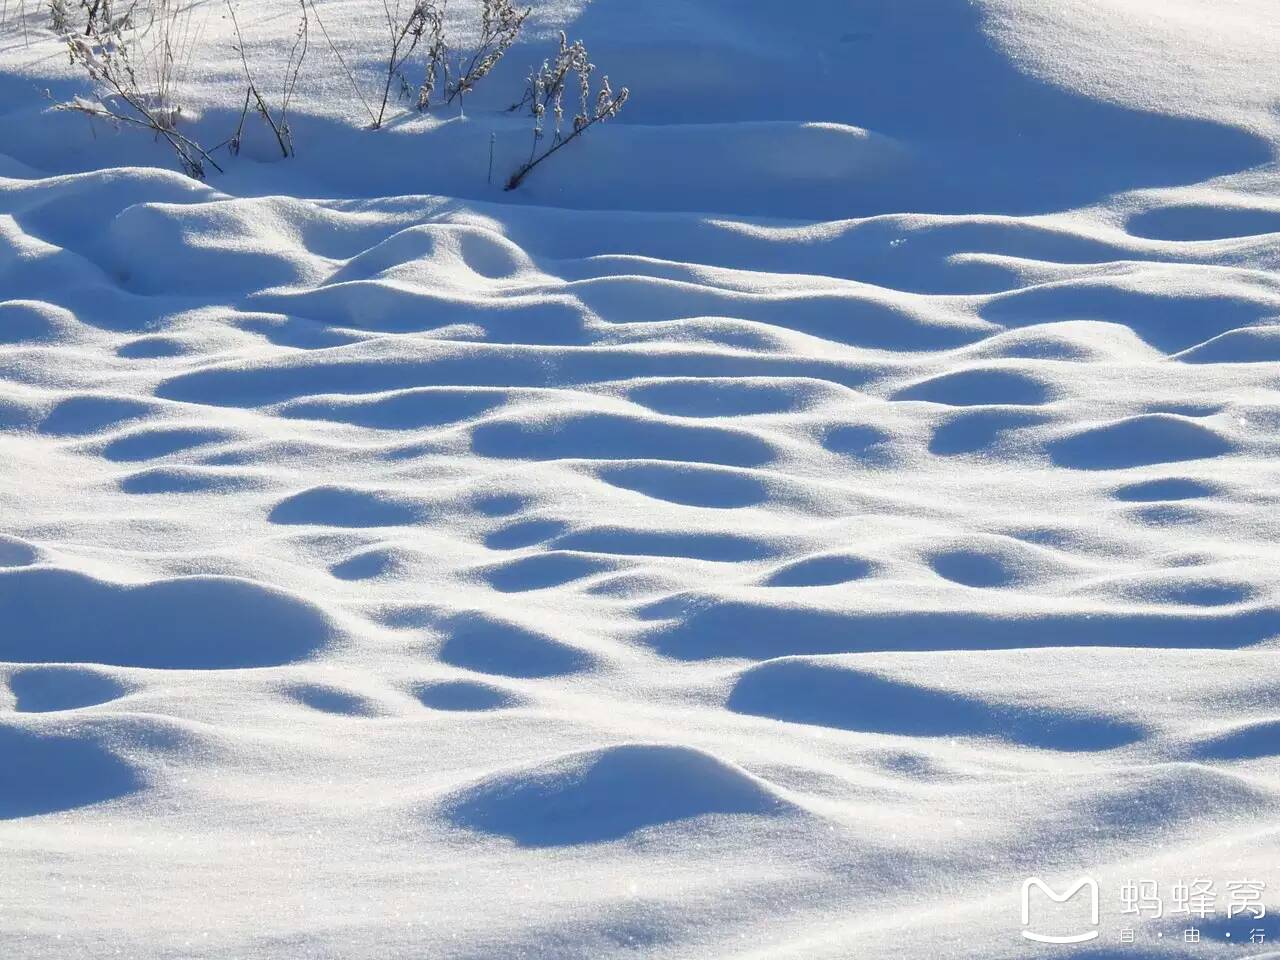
{"x":407,"y":29}
{"x":17,"y":15}
{"x":59,"y":16}
{"x":406,"y":33}
{"x":545,"y":95}
{"x":546,"y":83}
{"x":99,"y":13}
{"x":416,"y":28}
{"x":64,"y":13}
{"x":437,"y":54}
{"x":278,"y":121}
{"x":137,"y":70}
{"x":500,"y":26}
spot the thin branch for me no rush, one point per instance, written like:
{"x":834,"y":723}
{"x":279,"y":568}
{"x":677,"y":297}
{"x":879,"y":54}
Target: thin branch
{"x":114,"y":71}
{"x":280,"y":130}
{"x":409,"y":32}
{"x":345,"y":69}
{"x":297,"y":56}
{"x":176,"y":140}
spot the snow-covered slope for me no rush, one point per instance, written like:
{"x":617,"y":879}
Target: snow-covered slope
{"x":836,"y":490}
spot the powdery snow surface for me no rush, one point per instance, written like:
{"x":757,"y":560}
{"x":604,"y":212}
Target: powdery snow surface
{"x":840,"y":488}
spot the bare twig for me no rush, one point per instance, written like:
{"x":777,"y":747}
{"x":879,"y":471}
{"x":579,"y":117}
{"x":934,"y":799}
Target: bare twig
{"x":59,"y":16}
{"x":233,"y":142}
{"x":190,"y":153}
{"x":94,"y":8}
{"x":106,"y":59}
{"x":405,"y":35}
{"x":297,"y":56}
{"x":280,"y":128}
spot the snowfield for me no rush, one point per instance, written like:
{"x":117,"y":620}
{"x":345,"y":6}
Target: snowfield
{"x":834,"y":491}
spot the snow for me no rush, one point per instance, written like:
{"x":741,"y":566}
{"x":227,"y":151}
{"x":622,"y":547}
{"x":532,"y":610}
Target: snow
{"x":839,"y":488}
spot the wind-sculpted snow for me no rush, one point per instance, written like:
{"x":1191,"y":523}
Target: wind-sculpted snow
{"x":415,"y":576}
{"x":651,"y":574}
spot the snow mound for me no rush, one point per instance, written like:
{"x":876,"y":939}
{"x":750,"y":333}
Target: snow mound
{"x":602,"y":795}
{"x":1140,"y":441}
{"x":182,"y":623}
